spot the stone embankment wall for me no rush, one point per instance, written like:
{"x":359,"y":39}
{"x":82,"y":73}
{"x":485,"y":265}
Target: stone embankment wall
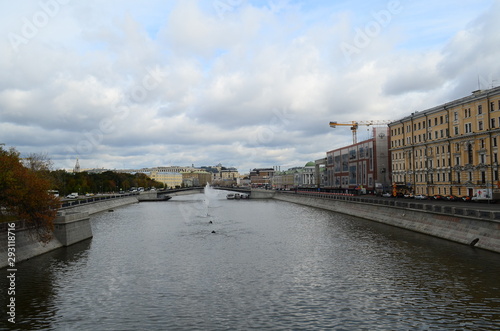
{"x":462,"y":225}
{"x":72,"y":225}
{"x":69,"y":228}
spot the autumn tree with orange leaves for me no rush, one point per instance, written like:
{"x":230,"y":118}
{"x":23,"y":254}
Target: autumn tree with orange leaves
{"x":24,"y":195}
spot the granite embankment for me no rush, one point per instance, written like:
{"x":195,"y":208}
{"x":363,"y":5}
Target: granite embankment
{"x":72,"y":225}
{"x":467,"y":225}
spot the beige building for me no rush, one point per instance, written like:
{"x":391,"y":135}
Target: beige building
{"x":169,"y":179}
{"x":196,"y":178}
{"x":451,"y":149}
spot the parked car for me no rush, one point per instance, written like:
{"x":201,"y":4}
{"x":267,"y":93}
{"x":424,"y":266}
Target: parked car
{"x":73,"y":195}
{"x":466,"y":198}
{"x":437,"y":197}
{"x":451,"y":198}
{"x":420,"y":197}
{"x":409,"y":196}
{"x":386,"y":195}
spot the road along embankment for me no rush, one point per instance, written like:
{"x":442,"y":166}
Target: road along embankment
{"x":101,"y":205}
{"x":468,"y":226}
{"x":71,"y":225}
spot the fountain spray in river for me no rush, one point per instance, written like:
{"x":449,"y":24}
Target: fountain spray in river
{"x":192,"y":209}
{"x":210,"y":196}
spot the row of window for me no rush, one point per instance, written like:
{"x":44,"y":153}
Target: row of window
{"x":443,"y":133}
{"x":447,"y":148}
{"x":444,"y":119}
{"x":443,"y":177}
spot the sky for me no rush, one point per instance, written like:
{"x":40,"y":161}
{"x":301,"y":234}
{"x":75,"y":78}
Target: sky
{"x":122,"y":84}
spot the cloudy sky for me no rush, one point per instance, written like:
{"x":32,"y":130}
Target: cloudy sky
{"x":131,"y":84}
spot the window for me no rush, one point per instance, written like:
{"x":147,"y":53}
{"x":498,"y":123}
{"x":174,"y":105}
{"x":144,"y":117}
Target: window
{"x":479,"y":109}
{"x":480,"y":125}
{"x":457,"y":160}
{"x":494,"y":141}
{"x":442,"y":134}
{"x":457,"y":147}
{"x":493,"y":123}
{"x":492,"y":106}
{"x":455,"y":116}
{"x":482,"y":143}
{"x":468,"y":127}
{"x":436,"y":121}
{"x":441,"y":120}
{"x":469,"y":154}
{"x":456,"y":130}
{"x":482,"y":158}
{"x":436,"y":134}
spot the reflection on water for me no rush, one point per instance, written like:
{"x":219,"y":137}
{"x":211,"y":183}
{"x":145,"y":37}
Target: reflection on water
{"x":269,"y":265}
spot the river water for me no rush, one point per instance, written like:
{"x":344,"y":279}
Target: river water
{"x":269,"y":265}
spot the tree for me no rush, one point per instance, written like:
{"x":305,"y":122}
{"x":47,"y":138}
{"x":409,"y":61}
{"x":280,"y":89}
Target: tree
{"x":24,"y":195}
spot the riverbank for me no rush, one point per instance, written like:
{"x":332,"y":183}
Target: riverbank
{"x":468,"y":226}
{"x":72,"y":225}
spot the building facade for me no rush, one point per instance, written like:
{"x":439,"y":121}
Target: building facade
{"x":451,"y":149}
{"x":261,"y":177}
{"x":364,"y":166}
{"x":196,"y":178}
{"x":169,"y":179}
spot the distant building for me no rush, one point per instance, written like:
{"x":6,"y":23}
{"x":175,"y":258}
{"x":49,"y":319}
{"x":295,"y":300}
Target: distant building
{"x":196,"y":178}
{"x":261,"y":177}
{"x":284,"y":180}
{"x":225,"y":176}
{"x":169,"y":179}
{"x":364,"y":166}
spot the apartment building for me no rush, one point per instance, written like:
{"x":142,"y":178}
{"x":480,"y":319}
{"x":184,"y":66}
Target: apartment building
{"x":451,"y":149}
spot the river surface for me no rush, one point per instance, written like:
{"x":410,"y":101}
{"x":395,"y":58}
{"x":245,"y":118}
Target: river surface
{"x":270,"y":265}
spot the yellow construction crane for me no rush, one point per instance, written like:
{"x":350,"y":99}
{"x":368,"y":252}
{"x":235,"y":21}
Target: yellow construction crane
{"x":354,"y":126}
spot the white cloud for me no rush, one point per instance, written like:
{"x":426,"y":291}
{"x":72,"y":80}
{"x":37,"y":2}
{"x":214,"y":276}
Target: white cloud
{"x":123,"y":85}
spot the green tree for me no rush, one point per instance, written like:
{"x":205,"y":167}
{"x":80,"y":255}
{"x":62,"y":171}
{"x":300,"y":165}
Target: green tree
{"x":24,"y":195}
